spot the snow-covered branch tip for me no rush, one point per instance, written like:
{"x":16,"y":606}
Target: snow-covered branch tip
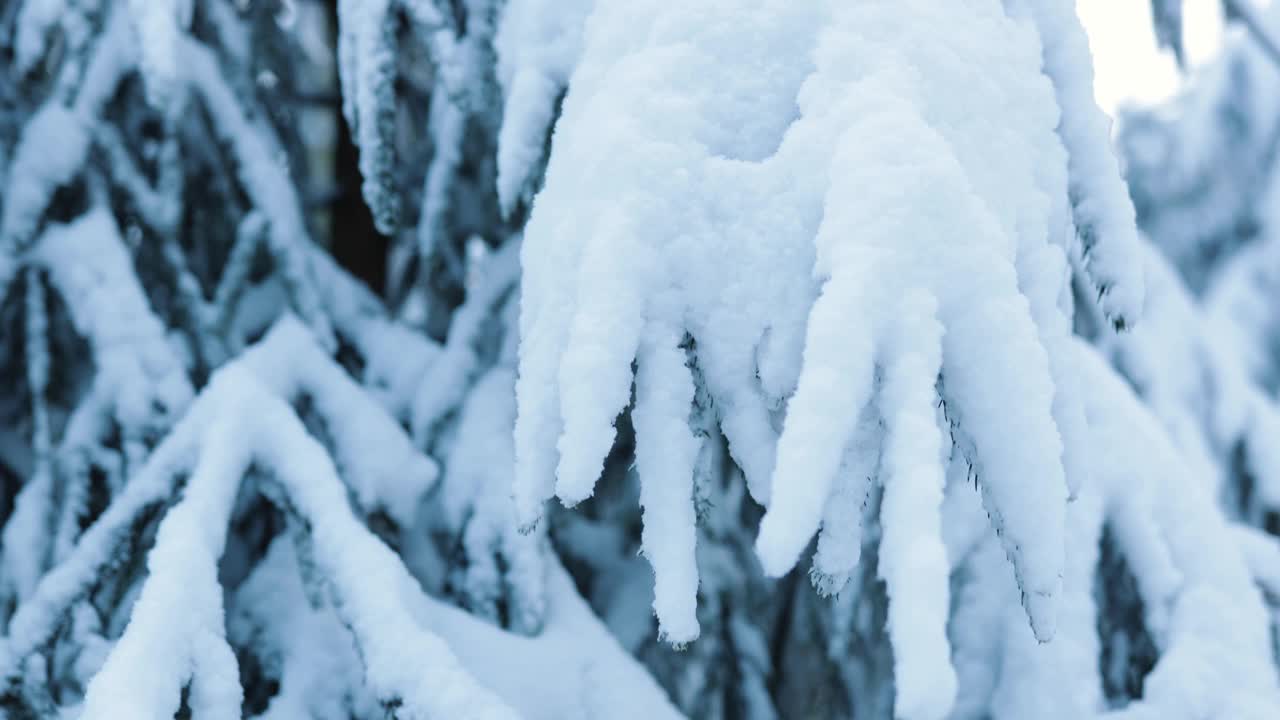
{"x":367,"y":68}
{"x":538,"y":45}
{"x":1102,"y":211}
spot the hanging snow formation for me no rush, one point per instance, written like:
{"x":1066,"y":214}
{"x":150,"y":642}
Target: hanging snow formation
{"x":923,"y":275}
{"x":762,"y":261}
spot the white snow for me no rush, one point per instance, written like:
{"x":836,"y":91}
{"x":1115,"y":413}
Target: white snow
{"x":538,"y":44}
{"x":627,"y":143}
{"x":396,"y":357}
{"x":822,"y":255}
{"x":666,"y":454}
{"x":265,"y":181}
{"x":1201,"y":609}
{"x":367,"y":70}
{"x":839,"y":546}
{"x":405,"y":664}
{"x":1191,"y":364}
{"x":52,"y":150}
{"x":476,"y":501}
{"x":240,"y":420}
{"x":913,"y":561}
{"x":573,"y":669}
{"x":38,"y":618}
{"x":159,"y":24}
{"x":1104,"y":215}
{"x":671,"y":212}
{"x":385,"y":471}
{"x":176,"y":634}
{"x":139,"y":378}
{"x":446,"y":381}
{"x":448,"y":125}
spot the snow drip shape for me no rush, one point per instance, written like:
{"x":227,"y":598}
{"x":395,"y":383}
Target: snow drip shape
{"x":875,"y":259}
{"x":366,"y":53}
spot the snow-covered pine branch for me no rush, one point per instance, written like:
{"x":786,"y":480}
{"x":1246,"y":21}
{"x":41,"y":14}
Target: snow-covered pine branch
{"x":367,"y":67}
{"x":938,"y":303}
{"x":1102,"y":212}
{"x":139,"y":386}
{"x":241,"y":420}
{"x":628,"y":289}
{"x":753,"y":284}
{"x":252,"y":426}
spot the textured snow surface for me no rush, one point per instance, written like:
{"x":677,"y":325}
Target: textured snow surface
{"x":1104,"y":215}
{"x":1195,"y":178}
{"x":265,"y":178}
{"x":538,"y":45}
{"x":1202,"y":609}
{"x":503,"y":563}
{"x":881,"y":200}
{"x":139,"y":389}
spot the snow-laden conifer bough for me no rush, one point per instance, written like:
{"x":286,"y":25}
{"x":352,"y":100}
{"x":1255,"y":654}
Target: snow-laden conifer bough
{"x":241,"y":426}
{"x":822,"y":258}
{"x":866,"y":215}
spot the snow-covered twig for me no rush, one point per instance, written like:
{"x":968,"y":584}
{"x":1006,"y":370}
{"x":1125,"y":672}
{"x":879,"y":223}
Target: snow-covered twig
{"x":1100,"y":204}
{"x":367,"y":69}
{"x":139,"y":378}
